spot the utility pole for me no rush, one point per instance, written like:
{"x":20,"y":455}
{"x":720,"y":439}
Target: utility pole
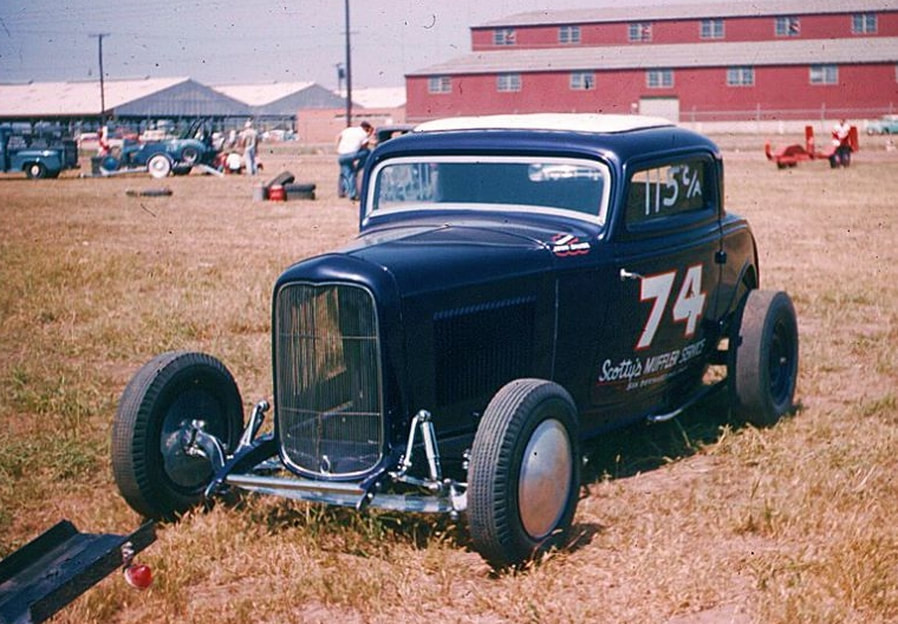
{"x":348,"y":70}
{"x":99,"y":37}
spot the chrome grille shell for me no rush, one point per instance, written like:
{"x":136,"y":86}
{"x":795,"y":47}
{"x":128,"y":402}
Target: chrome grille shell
{"x":328,"y":380}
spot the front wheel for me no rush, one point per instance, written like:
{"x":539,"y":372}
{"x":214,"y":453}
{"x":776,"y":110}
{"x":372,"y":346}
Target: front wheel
{"x":36,"y":171}
{"x":159,"y":166}
{"x":763,"y":366}
{"x":166,"y":397}
{"x":524,"y":473}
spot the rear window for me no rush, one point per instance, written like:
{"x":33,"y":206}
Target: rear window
{"x":575,"y":187}
{"x":669,"y":190}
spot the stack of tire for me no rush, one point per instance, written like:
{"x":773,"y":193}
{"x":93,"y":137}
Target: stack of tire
{"x":284,"y":187}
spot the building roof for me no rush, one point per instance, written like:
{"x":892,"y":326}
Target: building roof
{"x":53,"y":99}
{"x":658,"y":56}
{"x":262,"y":93}
{"x":690,"y":11}
{"x":379,"y":97}
{"x":282,"y":99}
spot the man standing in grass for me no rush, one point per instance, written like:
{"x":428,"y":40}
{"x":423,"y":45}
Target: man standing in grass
{"x":250,"y":140}
{"x":353,"y":145}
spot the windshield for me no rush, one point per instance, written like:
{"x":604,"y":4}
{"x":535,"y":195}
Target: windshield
{"x":575,"y":187}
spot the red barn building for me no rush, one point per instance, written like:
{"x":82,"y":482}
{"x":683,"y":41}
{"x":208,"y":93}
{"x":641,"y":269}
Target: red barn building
{"x":752,"y":61}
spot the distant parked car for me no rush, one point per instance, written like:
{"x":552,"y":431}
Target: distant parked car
{"x":887,"y":124}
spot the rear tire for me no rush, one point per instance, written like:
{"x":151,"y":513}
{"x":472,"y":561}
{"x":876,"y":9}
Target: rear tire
{"x":190,"y":156}
{"x":153,"y":473}
{"x":763,"y":367}
{"x":524,"y":477}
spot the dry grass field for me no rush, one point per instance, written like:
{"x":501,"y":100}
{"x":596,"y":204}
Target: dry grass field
{"x":697,"y":521}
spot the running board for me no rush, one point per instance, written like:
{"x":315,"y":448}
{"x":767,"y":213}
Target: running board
{"x":701,"y":394}
{"x":55,"y":568}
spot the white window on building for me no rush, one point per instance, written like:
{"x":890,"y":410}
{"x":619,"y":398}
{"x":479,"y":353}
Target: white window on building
{"x":711,"y":29}
{"x":569,"y":34}
{"x":787,"y":27}
{"x":863,"y":23}
{"x":508,"y":82}
{"x":824,"y":75}
{"x":504,"y":37}
{"x":659,"y":78}
{"x":640,"y":31}
{"x":582,"y":81}
{"x":740,"y":76}
{"x":439,"y":84}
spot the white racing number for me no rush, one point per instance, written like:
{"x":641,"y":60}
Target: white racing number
{"x":687,"y":308}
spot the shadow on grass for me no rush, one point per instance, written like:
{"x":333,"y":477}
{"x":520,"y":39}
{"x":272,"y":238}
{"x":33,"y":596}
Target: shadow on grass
{"x":615,"y":455}
{"x":643,"y":447}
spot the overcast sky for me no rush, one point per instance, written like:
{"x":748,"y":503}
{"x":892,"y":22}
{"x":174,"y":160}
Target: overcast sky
{"x":230,"y":42}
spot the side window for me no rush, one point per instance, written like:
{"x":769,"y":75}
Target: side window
{"x":660,"y":192}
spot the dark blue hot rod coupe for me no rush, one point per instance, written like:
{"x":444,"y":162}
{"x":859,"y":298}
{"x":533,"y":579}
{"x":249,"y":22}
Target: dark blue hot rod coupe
{"x":519,"y":284}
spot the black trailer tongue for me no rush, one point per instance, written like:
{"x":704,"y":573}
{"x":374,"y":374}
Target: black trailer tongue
{"x":52,"y":570}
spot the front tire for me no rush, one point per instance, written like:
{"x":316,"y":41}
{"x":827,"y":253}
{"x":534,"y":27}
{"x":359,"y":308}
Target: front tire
{"x":153,"y":472}
{"x":159,"y":166}
{"x":763,"y":366}
{"x":524,"y":473}
{"x":36,"y":171}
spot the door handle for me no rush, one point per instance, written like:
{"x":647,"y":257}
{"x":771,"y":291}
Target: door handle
{"x":628,"y":275}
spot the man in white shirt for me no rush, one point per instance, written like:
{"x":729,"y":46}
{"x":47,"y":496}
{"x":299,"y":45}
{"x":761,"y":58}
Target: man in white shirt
{"x":842,"y":144}
{"x":353,"y":145}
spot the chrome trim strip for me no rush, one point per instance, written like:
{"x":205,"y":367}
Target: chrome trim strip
{"x":343,"y":494}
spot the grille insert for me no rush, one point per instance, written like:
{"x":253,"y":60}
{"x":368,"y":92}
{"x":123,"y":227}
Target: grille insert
{"x":327,"y":368}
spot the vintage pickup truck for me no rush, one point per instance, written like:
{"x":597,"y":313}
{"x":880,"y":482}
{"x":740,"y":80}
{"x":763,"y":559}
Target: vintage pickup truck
{"x":38,"y":155}
{"x":519,"y":284}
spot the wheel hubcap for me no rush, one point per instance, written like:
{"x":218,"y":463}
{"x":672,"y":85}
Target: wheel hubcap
{"x":545,"y":482}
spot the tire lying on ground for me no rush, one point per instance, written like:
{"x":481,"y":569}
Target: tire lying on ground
{"x":299,"y":191}
{"x":150,"y":192}
{"x":283,"y":178}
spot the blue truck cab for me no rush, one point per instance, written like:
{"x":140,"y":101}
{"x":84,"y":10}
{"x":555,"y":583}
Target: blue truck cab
{"x":42,"y":155}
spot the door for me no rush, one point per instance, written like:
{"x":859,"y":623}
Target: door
{"x":666,"y":107}
{"x":666,"y":256}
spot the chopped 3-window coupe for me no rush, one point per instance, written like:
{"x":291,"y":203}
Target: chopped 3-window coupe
{"x":519,"y":284}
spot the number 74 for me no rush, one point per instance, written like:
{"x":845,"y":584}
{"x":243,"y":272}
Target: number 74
{"x":688,"y":306}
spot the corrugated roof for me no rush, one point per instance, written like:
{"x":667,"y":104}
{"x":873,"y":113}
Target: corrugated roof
{"x":263,"y":93}
{"x":50,"y":99}
{"x":716,"y":54}
{"x":690,"y":11}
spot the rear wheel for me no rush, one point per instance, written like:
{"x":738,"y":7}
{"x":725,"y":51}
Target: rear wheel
{"x":159,"y":166}
{"x":763,"y":367}
{"x":524,"y":473}
{"x":160,"y":404}
{"x":190,"y":155}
